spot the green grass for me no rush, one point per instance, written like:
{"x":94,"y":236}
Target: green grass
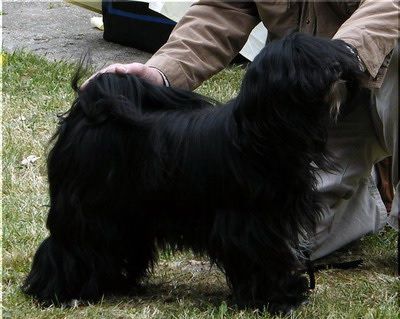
{"x":182,"y":286}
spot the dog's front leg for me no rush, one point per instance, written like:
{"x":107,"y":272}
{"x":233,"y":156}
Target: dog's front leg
{"x":260,"y":267}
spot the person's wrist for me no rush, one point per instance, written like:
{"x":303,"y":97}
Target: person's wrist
{"x":355,"y":53}
{"x":163,"y":76}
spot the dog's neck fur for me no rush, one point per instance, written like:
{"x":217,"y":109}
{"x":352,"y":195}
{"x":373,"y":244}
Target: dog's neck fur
{"x":269,"y":124}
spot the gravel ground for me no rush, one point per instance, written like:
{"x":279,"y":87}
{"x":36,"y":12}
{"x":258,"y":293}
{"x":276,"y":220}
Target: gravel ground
{"x":60,"y":31}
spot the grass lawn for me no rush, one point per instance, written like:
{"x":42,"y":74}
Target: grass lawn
{"x":183,"y":285}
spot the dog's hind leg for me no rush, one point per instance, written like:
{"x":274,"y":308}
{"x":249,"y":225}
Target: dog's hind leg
{"x":85,"y":257}
{"x":140,"y":255}
{"x":260,"y":268}
{"x":62,"y":273}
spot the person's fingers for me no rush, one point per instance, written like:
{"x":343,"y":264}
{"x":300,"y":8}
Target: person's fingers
{"x":87,"y":81}
{"x":121,"y":69}
{"x":145,"y":72}
{"x":113,"y":68}
{"x":140,"y":70}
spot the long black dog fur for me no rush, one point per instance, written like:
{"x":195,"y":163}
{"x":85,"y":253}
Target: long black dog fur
{"x":137,"y":167}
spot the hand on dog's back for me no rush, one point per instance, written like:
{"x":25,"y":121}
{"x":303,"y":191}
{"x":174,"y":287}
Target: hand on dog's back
{"x":140,"y":70}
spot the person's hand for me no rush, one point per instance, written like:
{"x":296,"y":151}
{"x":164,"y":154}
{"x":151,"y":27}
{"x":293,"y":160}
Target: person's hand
{"x":140,"y":70}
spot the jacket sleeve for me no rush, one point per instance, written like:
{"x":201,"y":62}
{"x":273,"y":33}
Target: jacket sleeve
{"x":204,"y":41}
{"x":373,"y":29}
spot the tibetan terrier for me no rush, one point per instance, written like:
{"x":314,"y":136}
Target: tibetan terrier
{"x":137,"y":167}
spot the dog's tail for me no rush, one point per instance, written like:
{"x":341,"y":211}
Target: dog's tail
{"x":103,"y":98}
{"x":129,"y":99}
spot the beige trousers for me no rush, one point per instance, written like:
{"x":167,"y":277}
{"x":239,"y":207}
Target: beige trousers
{"x":352,"y":204}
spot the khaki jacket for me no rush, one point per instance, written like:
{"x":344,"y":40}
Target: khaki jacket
{"x":212,"y":32}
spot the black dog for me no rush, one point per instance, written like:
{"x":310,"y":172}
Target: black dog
{"x":136,"y":167}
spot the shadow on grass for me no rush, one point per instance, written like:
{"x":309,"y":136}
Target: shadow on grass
{"x":201,"y":295}
{"x":193,"y":282}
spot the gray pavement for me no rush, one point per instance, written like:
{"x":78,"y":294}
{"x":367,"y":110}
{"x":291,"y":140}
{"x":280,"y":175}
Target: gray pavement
{"x":60,"y":31}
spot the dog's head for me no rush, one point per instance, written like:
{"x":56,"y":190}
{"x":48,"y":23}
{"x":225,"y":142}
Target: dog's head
{"x":303,"y":73}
